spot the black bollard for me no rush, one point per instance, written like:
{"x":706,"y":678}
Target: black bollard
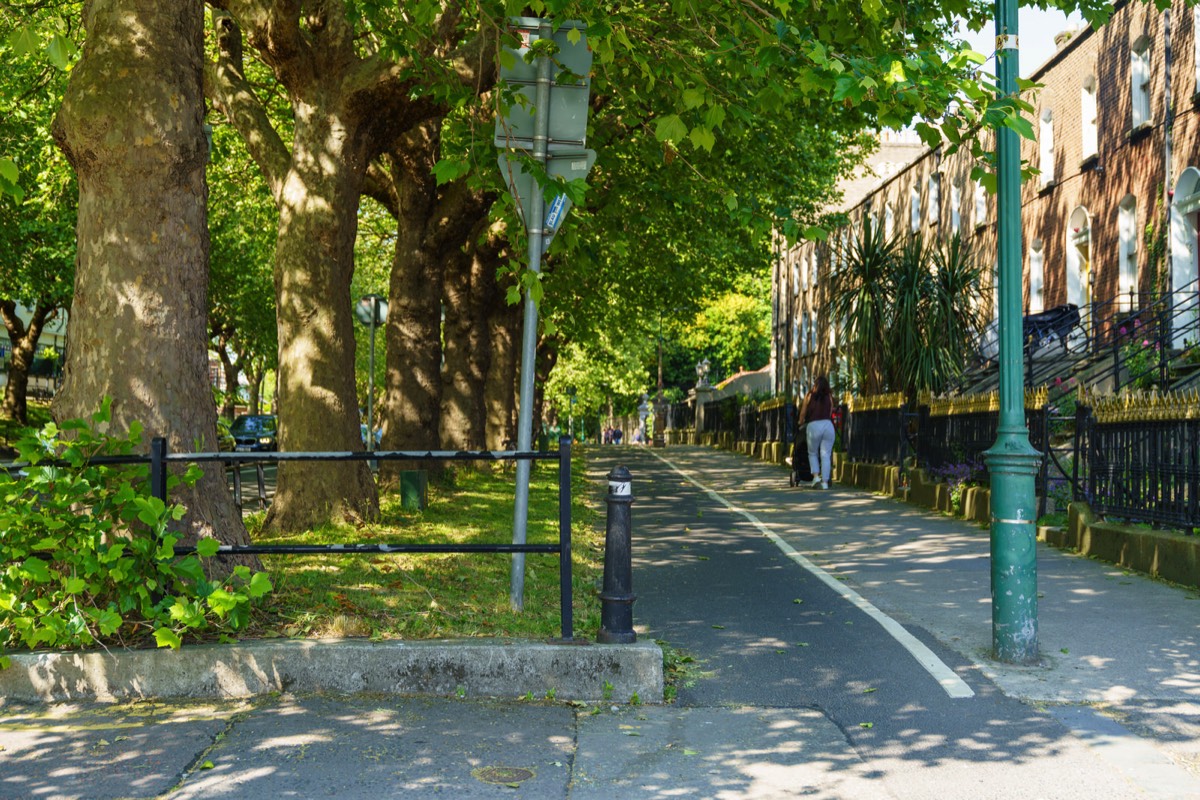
{"x":616,"y":601}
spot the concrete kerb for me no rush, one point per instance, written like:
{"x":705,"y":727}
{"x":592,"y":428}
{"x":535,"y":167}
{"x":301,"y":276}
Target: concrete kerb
{"x":468,"y":668}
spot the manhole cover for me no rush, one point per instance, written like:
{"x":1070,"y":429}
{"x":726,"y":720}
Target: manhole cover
{"x":502,"y":775}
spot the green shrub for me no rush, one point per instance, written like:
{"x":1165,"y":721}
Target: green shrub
{"x":88,"y":558}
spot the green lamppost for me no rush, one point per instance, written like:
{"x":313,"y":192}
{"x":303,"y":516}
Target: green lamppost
{"x":1012,"y":461}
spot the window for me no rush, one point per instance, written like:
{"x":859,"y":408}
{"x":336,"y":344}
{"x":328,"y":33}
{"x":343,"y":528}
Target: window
{"x":1046,"y":148}
{"x":812,"y":280}
{"x":935,"y":198}
{"x":1196,"y":39}
{"x":1087,"y":114}
{"x":889,"y":221}
{"x":1139,"y":81}
{"x":799,"y":273}
{"x":812,"y":329}
{"x":981,"y":203}
{"x":1037,"y":273}
{"x":955,"y":204}
{"x":804,"y":343}
{"x":915,"y":200}
{"x":1127,"y":257}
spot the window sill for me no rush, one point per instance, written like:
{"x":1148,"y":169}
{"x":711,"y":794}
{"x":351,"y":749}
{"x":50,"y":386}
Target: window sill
{"x":1141,"y":131}
{"x":1090,"y":162}
{"x":1048,"y":186}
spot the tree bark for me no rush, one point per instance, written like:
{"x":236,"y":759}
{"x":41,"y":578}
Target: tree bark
{"x":131,"y":126}
{"x":470,"y":293}
{"x":412,"y":397}
{"x":24,"y":340}
{"x":500,"y":392}
{"x":314,"y":264}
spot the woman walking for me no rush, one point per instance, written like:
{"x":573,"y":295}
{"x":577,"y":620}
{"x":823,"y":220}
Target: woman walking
{"x":817,"y":413}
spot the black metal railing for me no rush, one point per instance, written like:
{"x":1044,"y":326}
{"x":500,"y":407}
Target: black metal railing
{"x":876,"y":436}
{"x":160,"y":461}
{"x":1141,"y":471}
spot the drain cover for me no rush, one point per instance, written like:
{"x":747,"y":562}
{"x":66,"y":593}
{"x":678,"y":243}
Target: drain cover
{"x":502,"y":775}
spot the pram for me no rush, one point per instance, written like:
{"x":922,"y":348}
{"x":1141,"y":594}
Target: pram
{"x":801,"y":473}
{"x":1039,"y":330}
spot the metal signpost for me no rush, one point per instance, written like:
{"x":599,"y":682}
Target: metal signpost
{"x":548,"y":123}
{"x":371,"y":311}
{"x":1012,"y":461}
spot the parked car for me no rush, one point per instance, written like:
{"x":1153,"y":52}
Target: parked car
{"x":254,"y":432}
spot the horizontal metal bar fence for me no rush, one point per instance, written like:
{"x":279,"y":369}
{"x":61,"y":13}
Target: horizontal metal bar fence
{"x":159,"y":460}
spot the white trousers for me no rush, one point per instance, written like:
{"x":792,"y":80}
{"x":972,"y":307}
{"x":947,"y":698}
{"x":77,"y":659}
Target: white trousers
{"x":820,"y":446}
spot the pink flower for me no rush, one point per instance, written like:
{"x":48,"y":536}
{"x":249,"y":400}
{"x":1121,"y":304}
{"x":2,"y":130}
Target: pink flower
{"x":1123,"y":331}
{"x":1137,"y":323}
{"x":1058,"y":381}
{"x":1145,"y":342}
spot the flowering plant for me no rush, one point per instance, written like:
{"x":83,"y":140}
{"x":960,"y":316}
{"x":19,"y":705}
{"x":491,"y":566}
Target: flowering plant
{"x":1140,"y":355}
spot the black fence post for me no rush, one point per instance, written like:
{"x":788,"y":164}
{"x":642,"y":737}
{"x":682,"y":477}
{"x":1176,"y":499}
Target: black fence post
{"x":616,"y":600}
{"x":158,"y":468}
{"x":564,"y":538}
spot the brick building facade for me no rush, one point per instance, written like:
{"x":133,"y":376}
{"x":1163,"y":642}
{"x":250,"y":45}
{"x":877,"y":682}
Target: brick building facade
{"x":1112,"y":155}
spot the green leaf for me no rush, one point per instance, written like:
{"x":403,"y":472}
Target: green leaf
{"x":816,"y":233}
{"x":24,"y":41}
{"x":671,"y":128}
{"x":9,"y":171}
{"x":74,"y":585}
{"x":37,"y":569}
{"x":702,"y":138}
{"x":208,"y":547}
{"x":60,"y":50}
{"x":260,"y":584}
{"x":447,"y":170}
{"x":693,"y":98}
{"x":167,"y":638}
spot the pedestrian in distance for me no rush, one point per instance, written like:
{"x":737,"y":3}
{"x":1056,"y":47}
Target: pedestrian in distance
{"x":817,"y":416}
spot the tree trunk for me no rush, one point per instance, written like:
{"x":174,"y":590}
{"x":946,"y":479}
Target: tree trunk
{"x":500,"y":392}
{"x":470,"y":294}
{"x":412,"y":398}
{"x":131,"y":126}
{"x":24,"y":340}
{"x":314,"y":262}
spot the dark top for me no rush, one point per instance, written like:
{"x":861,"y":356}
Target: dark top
{"x":820,"y":406}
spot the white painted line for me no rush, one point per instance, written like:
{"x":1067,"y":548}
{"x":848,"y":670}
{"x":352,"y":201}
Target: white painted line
{"x":946,"y":677}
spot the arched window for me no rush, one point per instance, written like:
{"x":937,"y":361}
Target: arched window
{"x":915,"y":209}
{"x":1089,"y":138}
{"x":1046,"y":148}
{"x":1037,"y":273}
{"x":1079,"y":258}
{"x":1127,"y":281}
{"x":1139,"y":81}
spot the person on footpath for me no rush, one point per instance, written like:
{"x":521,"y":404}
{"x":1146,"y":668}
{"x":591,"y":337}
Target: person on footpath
{"x":817,"y":415}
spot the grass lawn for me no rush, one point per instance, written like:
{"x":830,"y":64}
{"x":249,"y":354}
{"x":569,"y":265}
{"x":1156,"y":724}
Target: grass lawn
{"x":423,"y":595}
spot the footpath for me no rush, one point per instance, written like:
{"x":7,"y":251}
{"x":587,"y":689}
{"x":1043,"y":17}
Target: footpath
{"x":830,"y":644}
